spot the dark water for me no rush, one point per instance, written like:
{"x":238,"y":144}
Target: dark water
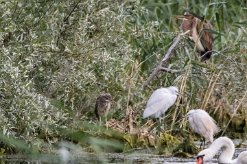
{"x":77,"y":156}
{"x":88,"y":158}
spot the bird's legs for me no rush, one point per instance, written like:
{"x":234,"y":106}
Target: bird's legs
{"x":160,"y":126}
{"x":158,"y":122}
{"x":100,"y":122}
{"x":106,"y":122}
{"x":202,"y":145}
{"x":103,"y":121}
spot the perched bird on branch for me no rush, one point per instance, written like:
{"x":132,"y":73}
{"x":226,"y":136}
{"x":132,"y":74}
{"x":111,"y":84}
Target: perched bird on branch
{"x":160,"y":101}
{"x":103,"y":105}
{"x":199,"y":33}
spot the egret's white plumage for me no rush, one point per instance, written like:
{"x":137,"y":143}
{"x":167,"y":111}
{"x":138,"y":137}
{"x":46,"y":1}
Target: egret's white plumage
{"x":226,"y":145}
{"x":160,"y":101}
{"x":201,"y":123}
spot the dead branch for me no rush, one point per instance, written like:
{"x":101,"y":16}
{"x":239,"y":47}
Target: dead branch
{"x":170,"y":70}
{"x":165,"y":58}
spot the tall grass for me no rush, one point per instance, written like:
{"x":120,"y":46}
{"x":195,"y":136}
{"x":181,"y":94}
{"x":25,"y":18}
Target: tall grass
{"x":57,"y":57}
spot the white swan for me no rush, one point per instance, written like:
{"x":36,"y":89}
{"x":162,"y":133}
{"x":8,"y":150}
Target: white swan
{"x":226,"y":145}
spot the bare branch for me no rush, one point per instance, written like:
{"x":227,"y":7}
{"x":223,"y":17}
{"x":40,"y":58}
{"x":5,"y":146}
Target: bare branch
{"x":170,"y":70}
{"x":71,"y":11}
{"x":165,"y":58}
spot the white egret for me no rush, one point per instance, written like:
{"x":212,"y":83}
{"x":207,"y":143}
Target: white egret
{"x":202,"y":124}
{"x":226,"y":145}
{"x":160,"y":101}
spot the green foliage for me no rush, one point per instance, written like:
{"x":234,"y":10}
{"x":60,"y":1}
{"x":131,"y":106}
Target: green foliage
{"x":59,"y":56}
{"x":167,"y":143}
{"x":56,"y":57}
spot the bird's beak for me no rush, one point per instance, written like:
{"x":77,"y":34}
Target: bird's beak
{"x":179,"y":17}
{"x":199,"y":159}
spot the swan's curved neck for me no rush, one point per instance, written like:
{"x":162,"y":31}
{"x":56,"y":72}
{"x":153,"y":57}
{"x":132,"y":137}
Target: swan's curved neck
{"x":227,"y":147}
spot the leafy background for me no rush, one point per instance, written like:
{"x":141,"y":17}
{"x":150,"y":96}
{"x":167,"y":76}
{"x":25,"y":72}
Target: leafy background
{"x":56,"y":57}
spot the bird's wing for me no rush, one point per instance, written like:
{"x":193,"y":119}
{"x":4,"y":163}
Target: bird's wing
{"x":206,"y":36}
{"x":203,"y":124}
{"x":159,"y":102}
{"x":210,"y":122}
{"x":186,"y":25}
{"x":214,"y":126}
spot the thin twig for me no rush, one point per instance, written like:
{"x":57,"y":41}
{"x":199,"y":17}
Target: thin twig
{"x":182,"y":88}
{"x":219,"y":53}
{"x":170,"y":70}
{"x":235,"y":111}
{"x":210,"y":89}
{"x":71,"y":11}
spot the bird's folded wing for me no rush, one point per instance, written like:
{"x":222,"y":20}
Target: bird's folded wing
{"x":158,"y":104}
{"x":203,"y":125}
{"x":206,"y":36}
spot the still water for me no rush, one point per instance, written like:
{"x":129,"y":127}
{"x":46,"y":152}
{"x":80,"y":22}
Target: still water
{"x":76,"y":155}
{"x":88,"y":158}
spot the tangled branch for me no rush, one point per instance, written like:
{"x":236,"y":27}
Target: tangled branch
{"x":166,"y":56}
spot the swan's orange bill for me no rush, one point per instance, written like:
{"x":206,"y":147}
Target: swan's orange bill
{"x":199,"y":159}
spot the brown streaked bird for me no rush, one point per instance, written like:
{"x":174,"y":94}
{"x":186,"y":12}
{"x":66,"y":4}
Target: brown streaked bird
{"x":103,"y":105}
{"x":199,"y":33}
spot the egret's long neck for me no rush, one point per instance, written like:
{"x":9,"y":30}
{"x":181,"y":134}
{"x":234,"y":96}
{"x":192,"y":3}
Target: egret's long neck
{"x":227,"y":147}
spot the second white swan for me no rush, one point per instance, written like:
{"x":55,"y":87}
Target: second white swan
{"x":226,"y":145}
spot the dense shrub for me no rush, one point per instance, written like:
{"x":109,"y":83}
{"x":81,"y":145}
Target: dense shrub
{"x":58,"y":56}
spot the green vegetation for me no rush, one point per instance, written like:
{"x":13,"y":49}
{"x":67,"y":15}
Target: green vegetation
{"x":56,"y":57}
